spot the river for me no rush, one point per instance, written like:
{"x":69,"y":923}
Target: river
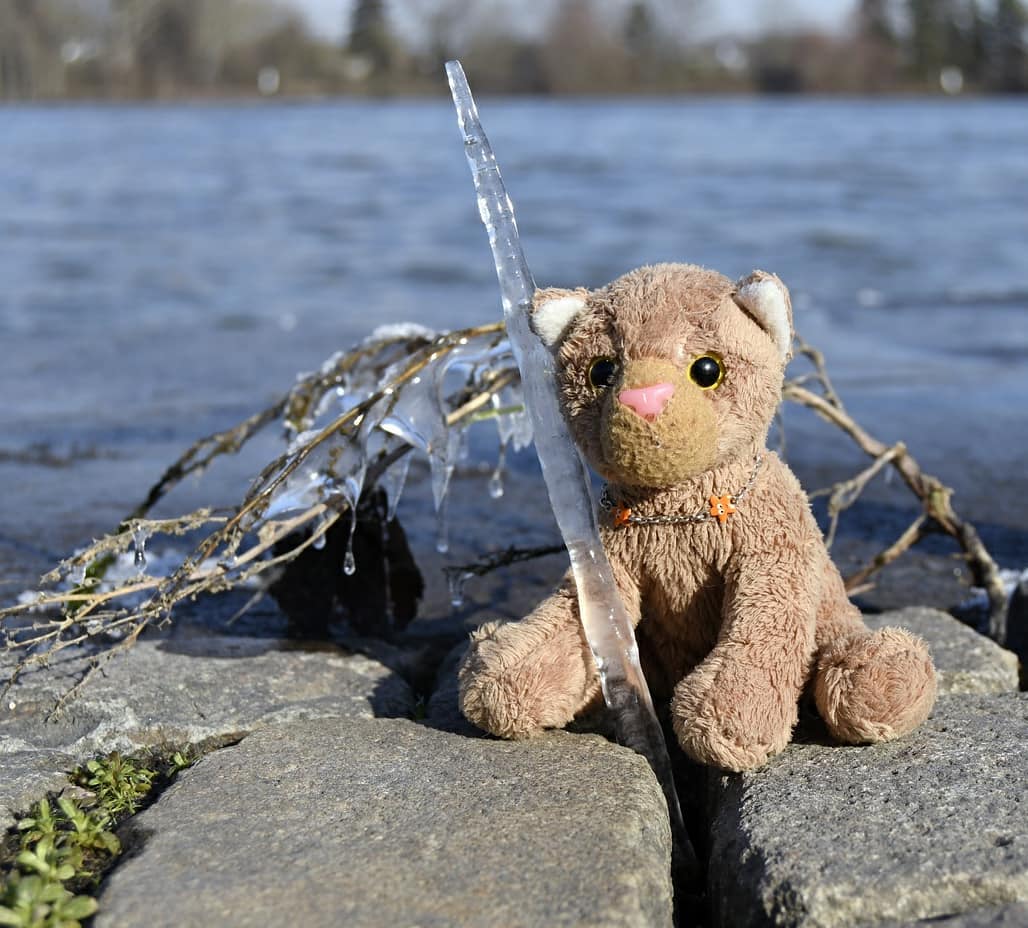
{"x":166,"y":270}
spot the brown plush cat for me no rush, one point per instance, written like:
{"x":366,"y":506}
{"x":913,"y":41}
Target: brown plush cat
{"x":669,"y":379}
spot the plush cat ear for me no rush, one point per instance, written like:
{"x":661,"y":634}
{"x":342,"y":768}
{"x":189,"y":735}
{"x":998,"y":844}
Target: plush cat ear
{"x":554,"y":310}
{"x":766,"y":299}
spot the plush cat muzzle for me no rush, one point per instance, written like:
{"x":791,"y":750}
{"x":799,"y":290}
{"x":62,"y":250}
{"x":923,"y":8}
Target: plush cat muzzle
{"x":661,"y":429}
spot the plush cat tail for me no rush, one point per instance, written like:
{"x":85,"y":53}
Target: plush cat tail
{"x":553,"y":311}
{"x":766,"y":299}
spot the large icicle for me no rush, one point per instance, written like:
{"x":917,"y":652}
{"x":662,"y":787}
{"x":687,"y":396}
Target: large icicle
{"x":607,"y":626}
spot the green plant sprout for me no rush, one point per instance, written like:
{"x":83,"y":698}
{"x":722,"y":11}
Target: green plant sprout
{"x":119,"y":783}
{"x":36,"y":902}
{"x":63,"y":851}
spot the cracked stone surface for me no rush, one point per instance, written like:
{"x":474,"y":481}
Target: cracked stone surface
{"x":176,"y":693}
{"x":965,"y":661}
{"x":363,"y":822}
{"x":1006,"y":916}
{"x":329,"y":815}
{"x":932,"y":826}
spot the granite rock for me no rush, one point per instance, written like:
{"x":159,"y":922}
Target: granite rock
{"x":167,"y":693}
{"x":1014,"y":915}
{"x":363,"y":822}
{"x":933,"y":825}
{"x":27,"y":775}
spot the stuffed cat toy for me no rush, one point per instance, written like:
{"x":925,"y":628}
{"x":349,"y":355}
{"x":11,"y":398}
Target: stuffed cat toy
{"x":669,"y":379}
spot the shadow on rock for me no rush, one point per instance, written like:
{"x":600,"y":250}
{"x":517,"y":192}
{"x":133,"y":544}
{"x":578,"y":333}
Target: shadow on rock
{"x":373,"y":587}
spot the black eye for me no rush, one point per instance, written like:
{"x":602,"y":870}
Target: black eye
{"x":603,"y":372}
{"x":707,"y":371}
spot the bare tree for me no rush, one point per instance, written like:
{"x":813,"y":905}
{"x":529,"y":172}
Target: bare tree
{"x":371,"y":38}
{"x":579,"y":54}
{"x":30,"y":44}
{"x":1008,"y":52}
{"x":875,"y":46}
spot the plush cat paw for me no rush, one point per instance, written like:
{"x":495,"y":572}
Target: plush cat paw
{"x":731,"y":717}
{"x":514,"y":685}
{"x":875,"y":687}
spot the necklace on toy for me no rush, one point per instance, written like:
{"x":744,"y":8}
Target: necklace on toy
{"x":721,"y":507}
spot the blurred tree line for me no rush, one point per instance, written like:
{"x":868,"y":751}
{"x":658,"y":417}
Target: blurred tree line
{"x":178,"y":48}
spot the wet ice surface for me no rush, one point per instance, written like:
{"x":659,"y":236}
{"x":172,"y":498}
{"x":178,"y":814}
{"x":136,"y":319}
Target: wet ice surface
{"x":167,"y":272}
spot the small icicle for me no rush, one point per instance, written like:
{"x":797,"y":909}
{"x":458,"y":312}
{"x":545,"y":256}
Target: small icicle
{"x":349,"y":562}
{"x":320,"y":534}
{"x":463,"y":447}
{"x":442,"y":531}
{"x":139,"y":537}
{"x":393,"y":482}
{"x":496,"y":480}
{"x":387,"y":584}
{"x":457,"y":582}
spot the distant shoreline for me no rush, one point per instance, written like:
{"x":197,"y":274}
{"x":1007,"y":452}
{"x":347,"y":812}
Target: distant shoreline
{"x":251,"y":99}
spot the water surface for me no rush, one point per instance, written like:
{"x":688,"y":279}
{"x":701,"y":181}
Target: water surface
{"x":167,"y":270}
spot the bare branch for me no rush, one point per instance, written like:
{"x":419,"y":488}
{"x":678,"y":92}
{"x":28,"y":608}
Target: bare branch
{"x":845,"y":494}
{"x":911,"y":535}
{"x":934,"y":496}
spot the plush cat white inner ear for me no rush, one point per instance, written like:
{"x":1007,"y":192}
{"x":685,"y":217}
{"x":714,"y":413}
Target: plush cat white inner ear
{"x":764,"y":299}
{"x":551,"y":318}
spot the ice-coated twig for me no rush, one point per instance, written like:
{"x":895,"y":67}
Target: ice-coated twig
{"x":605,"y":621}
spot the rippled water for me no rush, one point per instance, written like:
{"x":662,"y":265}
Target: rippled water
{"x":166,"y":270}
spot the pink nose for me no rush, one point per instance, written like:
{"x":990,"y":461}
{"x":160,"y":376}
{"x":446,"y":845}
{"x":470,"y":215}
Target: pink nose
{"x":648,"y":402}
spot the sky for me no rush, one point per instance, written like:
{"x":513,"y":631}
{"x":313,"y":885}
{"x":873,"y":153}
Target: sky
{"x":329,"y":17}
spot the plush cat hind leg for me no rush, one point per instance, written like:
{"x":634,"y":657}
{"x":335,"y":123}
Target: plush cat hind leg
{"x":868,"y":686}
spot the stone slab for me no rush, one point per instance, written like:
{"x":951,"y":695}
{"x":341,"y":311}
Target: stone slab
{"x":966,"y":662}
{"x":26,"y":776}
{"x":169,"y":693}
{"x":386,"y":822}
{"x":1005,"y":916}
{"x":934,"y":825}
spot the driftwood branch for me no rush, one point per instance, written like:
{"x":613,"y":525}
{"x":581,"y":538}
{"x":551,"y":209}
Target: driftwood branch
{"x":845,"y":493}
{"x":910,"y":536}
{"x":934,"y":496}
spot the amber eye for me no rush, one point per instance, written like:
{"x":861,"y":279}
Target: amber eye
{"x":707,"y":371}
{"x":603,"y":372}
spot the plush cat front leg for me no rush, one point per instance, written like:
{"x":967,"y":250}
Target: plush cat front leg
{"x":521,"y":677}
{"x":739,"y":706}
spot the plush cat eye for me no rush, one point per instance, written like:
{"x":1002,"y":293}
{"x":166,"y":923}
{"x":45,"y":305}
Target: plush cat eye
{"x":603,"y":372}
{"x":707,"y":371}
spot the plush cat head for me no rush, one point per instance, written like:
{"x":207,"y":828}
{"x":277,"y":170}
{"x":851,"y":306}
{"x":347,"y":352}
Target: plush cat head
{"x":670,"y":370}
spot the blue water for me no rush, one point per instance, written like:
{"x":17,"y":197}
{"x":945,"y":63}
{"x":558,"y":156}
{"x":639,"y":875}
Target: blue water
{"x":166,"y":270}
